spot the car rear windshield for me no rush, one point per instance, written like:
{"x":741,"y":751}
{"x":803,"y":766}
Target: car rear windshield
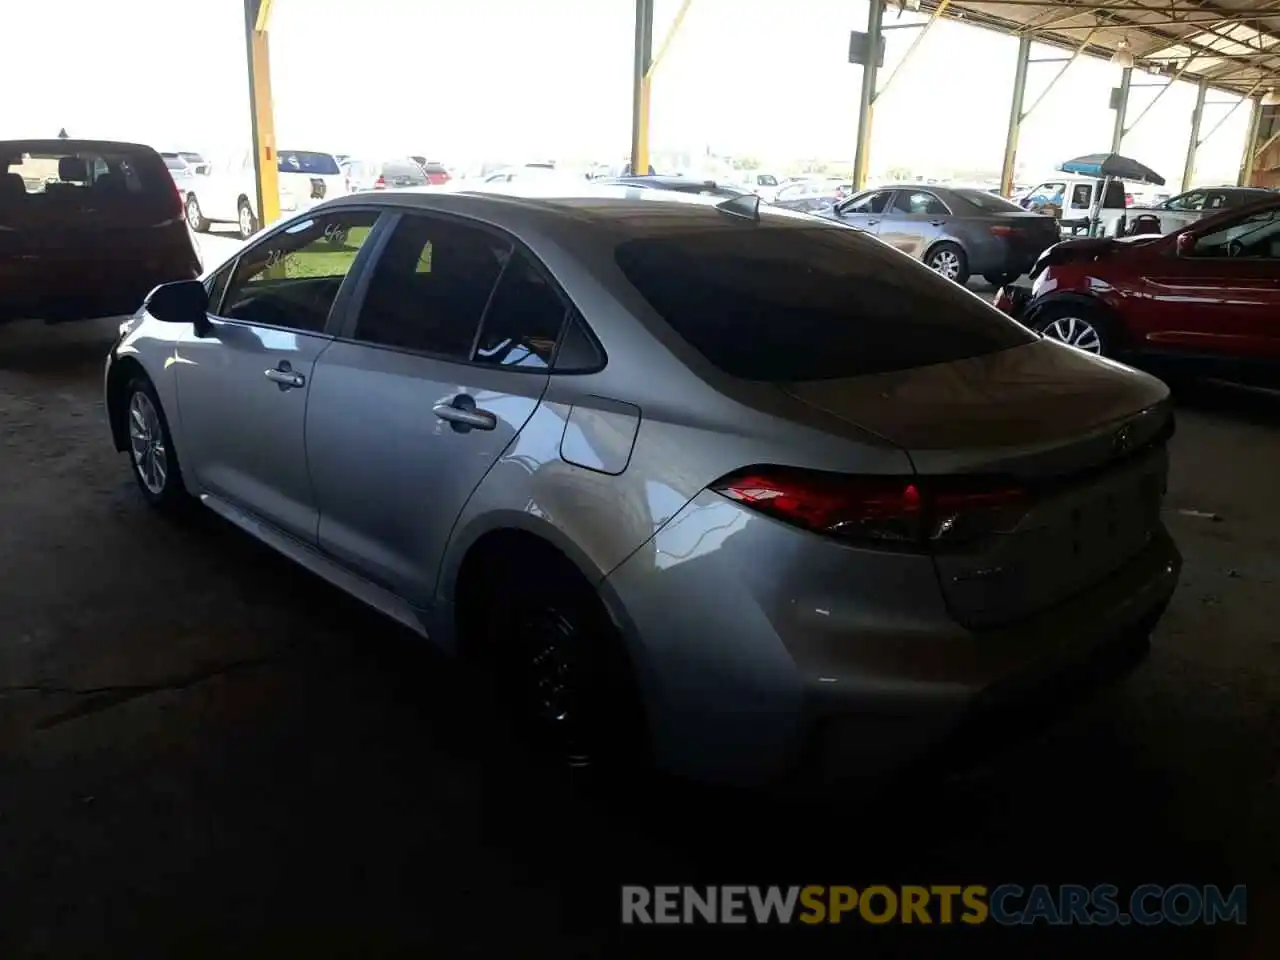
{"x":302,"y":161}
{"x":989,"y":202}
{"x":785,"y":304}
{"x":73,"y":185}
{"x":404,"y":170}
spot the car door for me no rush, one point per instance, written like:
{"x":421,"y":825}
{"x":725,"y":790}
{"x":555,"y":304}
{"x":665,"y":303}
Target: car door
{"x":1220,"y":296}
{"x":411,"y":406}
{"x":913,"y":220}
{"x":864,"y":210}
{"x":243,"y":387}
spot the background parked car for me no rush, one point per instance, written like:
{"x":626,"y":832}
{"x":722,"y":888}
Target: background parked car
{"x":1187,"y":208}
{"x":1070,"y":199}
{"x":955,"y":232}
{"x":809,"y":196}
{"x":1205,"y":298}
{"x":385,"y":174}
{"x":228,"y":193}
{"x":182,"y":172}
{"x":87,"y":228}
{"x":436,"y":172}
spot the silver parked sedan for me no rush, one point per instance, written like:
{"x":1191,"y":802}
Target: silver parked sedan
{"x":956,"y":231}
{"x":747,"y":490}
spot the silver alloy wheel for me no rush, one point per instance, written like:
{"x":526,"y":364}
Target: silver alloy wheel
{"x":946,"y":263}
{"x":1075,"y":332}
{"x":246,"y":221}
{"x":146,"y":440}
{"x":193,"y":212}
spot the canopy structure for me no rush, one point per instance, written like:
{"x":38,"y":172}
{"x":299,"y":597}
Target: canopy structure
{"x":1234,"y":45}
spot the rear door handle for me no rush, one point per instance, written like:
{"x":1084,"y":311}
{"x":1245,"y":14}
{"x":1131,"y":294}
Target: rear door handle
{"x":937,"y":223}
{"x":462,"y":414}
{"x":872,"y":223}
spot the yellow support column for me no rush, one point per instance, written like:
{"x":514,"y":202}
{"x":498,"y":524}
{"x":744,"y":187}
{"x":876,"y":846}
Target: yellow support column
{"x":646,"y":63}
{"x":257,"y":15}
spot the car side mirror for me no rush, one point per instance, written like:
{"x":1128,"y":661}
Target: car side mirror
{"x":183,"y":301}
{"x":1185,"y":244}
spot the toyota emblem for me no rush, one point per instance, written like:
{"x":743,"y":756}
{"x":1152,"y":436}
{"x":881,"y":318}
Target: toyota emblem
{"x":1122,"y":442}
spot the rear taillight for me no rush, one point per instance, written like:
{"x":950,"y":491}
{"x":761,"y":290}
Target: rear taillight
{"x":380,"y":183}
{"x":1128,"y":199}
{"x":1004,"y":230}
{"x":889,"y":511}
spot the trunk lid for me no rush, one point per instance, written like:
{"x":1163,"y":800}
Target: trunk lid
{"x":1082,"y":436}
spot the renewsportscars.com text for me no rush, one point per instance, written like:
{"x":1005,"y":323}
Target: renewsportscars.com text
{"x":1007,"y":904}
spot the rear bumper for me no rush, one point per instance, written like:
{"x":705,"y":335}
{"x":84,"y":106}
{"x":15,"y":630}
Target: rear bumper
{"x":766,"y":654}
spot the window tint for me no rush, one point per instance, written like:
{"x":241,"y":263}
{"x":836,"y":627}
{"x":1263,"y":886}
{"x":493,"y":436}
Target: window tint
{"x":990,"y":202}
{"x":217,"y":286}
{"x":918,"y":202}
{"x":430,"y":287}
{"x":1188,"y":201}
{"x":579,"y":352}
{"x":304,"y":161}
{"x":523,"y":320}
{"x":809,"y":303}
{"x":1115,"y":195}
{"x":291,"y":278}
{"x":1082,"y":195}
{"x":1255,"y":237}
{"x":873,"y":202}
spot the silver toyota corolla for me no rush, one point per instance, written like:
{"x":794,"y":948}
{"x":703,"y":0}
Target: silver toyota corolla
{"x":749,"y":490}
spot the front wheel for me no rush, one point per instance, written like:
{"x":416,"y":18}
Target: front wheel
{"x":151,"y":453}
{"x":247,"y":222}
{"x":949,"y":260}
{"x":1076,"y":325}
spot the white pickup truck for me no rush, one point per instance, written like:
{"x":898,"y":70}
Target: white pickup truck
{"x":225,"y":192}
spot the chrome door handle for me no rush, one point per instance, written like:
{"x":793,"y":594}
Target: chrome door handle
{"x":872,"y":223}
{"x":461,"y":414}
{"x":286,"y":378}
{"x":937,"y":223}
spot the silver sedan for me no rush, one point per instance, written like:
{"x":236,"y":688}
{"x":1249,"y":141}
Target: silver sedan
{"x":734,"y":489}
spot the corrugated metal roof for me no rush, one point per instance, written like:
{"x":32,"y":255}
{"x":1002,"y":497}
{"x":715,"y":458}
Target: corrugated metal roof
{"x":1233,"y":44}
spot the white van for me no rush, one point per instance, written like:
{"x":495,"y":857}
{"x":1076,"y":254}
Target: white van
{"x":1070,"y":198}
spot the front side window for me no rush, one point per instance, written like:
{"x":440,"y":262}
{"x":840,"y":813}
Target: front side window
{"x":430,"y":287}
{"x":1256,"y":237}
{"x":292,"y":278}
{"x":1188,"y":201}
{"x":873,"y":202}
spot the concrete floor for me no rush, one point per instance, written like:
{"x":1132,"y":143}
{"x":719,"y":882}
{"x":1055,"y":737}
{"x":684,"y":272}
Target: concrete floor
{"x":203,"y":750}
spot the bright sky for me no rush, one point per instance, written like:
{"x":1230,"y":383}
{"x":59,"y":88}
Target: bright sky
{"x":466,"y":80}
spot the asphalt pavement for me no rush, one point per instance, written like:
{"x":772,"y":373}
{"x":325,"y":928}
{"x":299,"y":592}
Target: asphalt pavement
{"x":206,"y":752}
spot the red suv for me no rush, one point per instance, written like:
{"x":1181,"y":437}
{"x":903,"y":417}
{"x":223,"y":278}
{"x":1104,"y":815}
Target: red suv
{"x":1204,"y":299}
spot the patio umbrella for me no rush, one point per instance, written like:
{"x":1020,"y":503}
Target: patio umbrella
{"x":1109,"y":166}
{"x":1114,"y":166}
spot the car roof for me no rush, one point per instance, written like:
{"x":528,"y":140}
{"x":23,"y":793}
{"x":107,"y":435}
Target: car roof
{"x":58,"y":145}
{"x":557,"y":207}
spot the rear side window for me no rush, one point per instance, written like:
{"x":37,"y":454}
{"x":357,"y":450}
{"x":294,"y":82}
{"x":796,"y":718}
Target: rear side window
{"x":1082,"y":195}
{"x":789,"y":303}
{"x":430,"y":287}
{"x":1115,"y":194}
{"x":523,"y":320}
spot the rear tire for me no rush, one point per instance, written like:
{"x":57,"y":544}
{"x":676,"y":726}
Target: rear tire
{"x":948,"y":260}
{"x":246,"y":221}
{"x":1079,"y":325}
{"x":1000,"y":279}
{"x":152,"y":457}
{"x":195,"y":216}
{"x":533,"y":619}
